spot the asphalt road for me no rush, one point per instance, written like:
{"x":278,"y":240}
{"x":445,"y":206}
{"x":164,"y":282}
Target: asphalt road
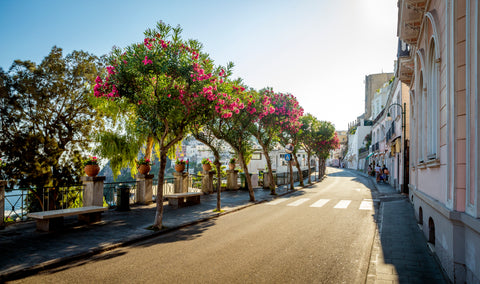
{"x":321,"y":234}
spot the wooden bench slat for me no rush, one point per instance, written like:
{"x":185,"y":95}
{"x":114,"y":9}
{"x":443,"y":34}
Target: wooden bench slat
{"x":66,"y":212}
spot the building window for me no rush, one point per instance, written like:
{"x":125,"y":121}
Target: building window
{"x":420,"y":215}
{"x":431,"y":231}
{"x":432,"y":104}
{"x":421,"y":120}
{"x":256,"y":156}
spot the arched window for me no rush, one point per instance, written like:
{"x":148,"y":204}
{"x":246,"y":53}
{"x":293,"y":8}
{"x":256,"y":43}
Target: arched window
{"x":431,"y":231}
{"x":432,"y":103}
{"x":413,"y":135}
{"x":420,"y":215}
{"x":421,"y":120}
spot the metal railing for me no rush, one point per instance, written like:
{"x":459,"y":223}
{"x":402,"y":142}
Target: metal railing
{"x":21,"y":201}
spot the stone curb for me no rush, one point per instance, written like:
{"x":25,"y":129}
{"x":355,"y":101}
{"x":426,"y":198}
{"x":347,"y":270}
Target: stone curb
{"x":28,"y":271}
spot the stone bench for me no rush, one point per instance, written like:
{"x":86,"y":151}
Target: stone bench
{"x":178,"y":200}
{"x":53,"y":219}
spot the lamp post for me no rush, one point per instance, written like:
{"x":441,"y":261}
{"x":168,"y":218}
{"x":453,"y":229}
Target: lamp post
{"x":405,"y":169}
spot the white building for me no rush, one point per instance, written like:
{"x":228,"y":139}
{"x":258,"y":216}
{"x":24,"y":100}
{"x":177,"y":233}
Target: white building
{"x":356,"y":142}
{"x":380,"y":99}
{"x":279,"y":164}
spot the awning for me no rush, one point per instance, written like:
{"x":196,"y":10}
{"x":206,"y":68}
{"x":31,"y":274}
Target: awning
{"x":369,"y":155}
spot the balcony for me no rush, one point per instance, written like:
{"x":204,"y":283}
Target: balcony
{"x":403,"y":49}
{"x":410,"y":19}
{"x":391,"y":132}
{"x":362,"y":150}
{"x":405,"y":62}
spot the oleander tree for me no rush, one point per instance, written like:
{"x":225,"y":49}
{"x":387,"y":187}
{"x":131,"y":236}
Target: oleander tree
{"x":280,"y":117}
{"x":236,"y":131}
{"x":307,"y":137}
{"x":326,"y":140}
{"x":214,"y":117}
{"x":290,"y":129}
{"x":167,"y":83}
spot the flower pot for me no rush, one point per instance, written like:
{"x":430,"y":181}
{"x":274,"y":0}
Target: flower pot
{"x":207,"y":167}
{"x":144,"y":169}
{"x":231,"y":166}
{"x":92,"y":170}
{"x":180,"y":167}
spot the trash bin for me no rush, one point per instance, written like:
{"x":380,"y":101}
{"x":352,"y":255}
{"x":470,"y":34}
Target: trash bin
{"x":242,"y":181}
{"x":123,"y":198}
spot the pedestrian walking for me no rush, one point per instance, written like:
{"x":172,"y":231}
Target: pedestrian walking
{"x":378,"y":171}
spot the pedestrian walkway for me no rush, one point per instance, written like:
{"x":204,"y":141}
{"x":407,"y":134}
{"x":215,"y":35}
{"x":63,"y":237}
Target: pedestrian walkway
{"x":24,"y":251}
{"x":366,"y":204}
{"x":400,"y":253}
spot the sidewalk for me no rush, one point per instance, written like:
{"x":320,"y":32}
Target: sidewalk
{"x":25,"y":251}
{"x":400,"y":253}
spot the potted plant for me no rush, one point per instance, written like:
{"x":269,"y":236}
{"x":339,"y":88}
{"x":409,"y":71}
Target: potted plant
{"x":180,"y":165}
{"x":231,"y":164}
{"x":144,"y":166}
{"x":91,"y":167}
{"x":206,"y":164}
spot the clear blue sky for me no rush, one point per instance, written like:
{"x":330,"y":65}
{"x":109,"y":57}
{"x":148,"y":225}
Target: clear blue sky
{"x":317,"y":50}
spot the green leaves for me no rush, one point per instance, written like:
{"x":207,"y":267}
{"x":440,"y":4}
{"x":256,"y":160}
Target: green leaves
{"x":45,"y":113}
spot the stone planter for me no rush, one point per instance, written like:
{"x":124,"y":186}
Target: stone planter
{"x":180,"y":167}
{"x":92,"y":170}
{"x":144,"y":169}
{"x":207,"y":167}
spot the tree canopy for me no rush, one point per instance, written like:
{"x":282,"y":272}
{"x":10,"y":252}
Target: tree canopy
{"x":45,"y":114}
{"x":167,"y":83}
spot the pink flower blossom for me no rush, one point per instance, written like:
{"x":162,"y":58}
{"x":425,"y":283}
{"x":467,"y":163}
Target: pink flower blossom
{"x":111,"y":70}
{"x":147,"y":61}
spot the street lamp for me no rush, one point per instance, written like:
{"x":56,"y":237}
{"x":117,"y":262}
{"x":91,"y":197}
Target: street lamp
{"x":405,"y":169}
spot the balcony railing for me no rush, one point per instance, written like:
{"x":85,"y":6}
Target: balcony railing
{"x":391,"y":132}
{"x":403,"y":49}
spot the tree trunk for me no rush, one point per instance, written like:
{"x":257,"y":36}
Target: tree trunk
{"x":322,"y":161}
{"x":292,"y":186}
{"x":161,"y":177}
{"x":300,"y":175}
{"x":318,"y":177}
{"x":247,"y":177}
{"x":218,"y":165}
{"x":270,"y":172}
{"x":148,"y":151}
{"x":309,"y":168}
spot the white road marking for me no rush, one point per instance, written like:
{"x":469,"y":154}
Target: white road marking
{"x":277,"y":201}
{"x":343,"y":204}
{"x":320,"y":203}
{"x":298,"y":202}
{"x":366,"y":205}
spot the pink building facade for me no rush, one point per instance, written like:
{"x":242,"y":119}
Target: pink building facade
{"x":442,"y":72}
